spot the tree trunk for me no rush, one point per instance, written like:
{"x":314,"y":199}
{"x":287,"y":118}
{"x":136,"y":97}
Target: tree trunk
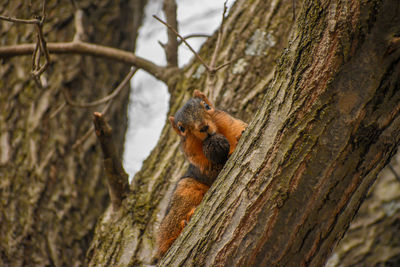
{"x":52,"y":184}
{"x":128,"y":237}
{"x":328,"y":124}
{"x":323,"y":126}
{"x":323,"y":132}
{"x":373,"y":237}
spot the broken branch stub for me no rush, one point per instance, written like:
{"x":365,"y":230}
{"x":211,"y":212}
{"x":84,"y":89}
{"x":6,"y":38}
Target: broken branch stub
{"x":118,"y":184}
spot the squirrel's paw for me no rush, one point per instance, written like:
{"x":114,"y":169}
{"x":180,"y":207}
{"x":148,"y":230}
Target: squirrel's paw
{"x":216,"y":148}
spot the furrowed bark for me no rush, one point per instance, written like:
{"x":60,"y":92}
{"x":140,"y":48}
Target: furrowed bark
{"x":373,"y":236}
{"x":328,"y":124}
{"x":52,"y":195}
{"x":129,"y":239}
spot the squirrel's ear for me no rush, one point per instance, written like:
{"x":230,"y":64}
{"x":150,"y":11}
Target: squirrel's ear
{"x":198,"y":94}
{"x":202,"y":96}
{"x":172,"y":121}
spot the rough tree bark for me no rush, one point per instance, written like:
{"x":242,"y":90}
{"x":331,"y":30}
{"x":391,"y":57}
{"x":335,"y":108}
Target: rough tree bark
{"x":294,"y":148}
{"x":373,"y":237}
{"x":51,"y":192}
{"x":329,"y":123}
{"x":127,"y":238}
{"x":323,"y":132}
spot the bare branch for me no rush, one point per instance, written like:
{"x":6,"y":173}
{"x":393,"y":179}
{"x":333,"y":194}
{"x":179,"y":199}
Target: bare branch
{"x":117,"y":90}
{"x":211,"y":69}
{"x":394,"y":172}
{"x":171,"y":48}
{"x":15,"y":20}
{"x":58,"y":110}
{"x":79,"y":29}
{"x":83,"y":48}
{"x":43,"y":11}
{"x":219,"y":37}
{"x":210,"y":81}
{"x":224,"y":65}
{"x":186,"y":43}
{"x":194,"y":35}
{"x":118,"y":185}
{"x":89,"y":132}
{"x":40,"y":47}
{"x":36,"y":70}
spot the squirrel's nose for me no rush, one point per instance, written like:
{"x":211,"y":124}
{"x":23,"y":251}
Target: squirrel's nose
{"x":204,"y":129}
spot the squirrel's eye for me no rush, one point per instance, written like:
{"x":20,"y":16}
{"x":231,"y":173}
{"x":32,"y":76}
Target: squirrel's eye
{"x":206,"y":106}
{"x":181,"y":128}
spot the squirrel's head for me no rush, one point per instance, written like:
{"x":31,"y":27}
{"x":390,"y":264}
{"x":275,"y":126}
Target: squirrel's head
{"x":195,"y":118}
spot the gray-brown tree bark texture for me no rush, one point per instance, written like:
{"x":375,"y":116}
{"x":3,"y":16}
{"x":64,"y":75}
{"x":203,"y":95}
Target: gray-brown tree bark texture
{"x":327,"y":124}
{"x":373,"y":237}
{"x":52,"y":192}
{"x":255,"y":33}
{"x":308,"y":157}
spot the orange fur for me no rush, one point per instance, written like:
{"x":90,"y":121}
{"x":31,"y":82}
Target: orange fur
{"x":187,"y":196}
{"x":230,"y":127}
{"x":194,"y":122}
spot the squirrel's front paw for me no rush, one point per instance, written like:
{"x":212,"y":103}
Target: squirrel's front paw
{"x":216,"y":148}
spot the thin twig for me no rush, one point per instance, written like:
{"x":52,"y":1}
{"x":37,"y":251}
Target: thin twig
{"x":15,"y":20}
{"x":219,"y":37}
{"x":225,"y":64}
{"x":58,"y":110}
{"x":43,"y":11}
{"x":35,"y":57}
{"x":211,"y":69}
{"x":194,"y":35}
{"x":41,"y":41}
{"x":88,"y":133}
{"x":394,"y":172}
{"x":117,"y":90}
{"x":210,"y":81}
{"x":186,"y":43}
{"x":43,"y":50}
{"x":40,"y":47}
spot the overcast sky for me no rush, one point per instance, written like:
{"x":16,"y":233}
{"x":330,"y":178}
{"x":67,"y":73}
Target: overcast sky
{"x":149,"y":97}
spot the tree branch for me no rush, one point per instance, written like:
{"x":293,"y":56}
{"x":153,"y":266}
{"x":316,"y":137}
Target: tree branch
{"x":186,"y":43}
{"x":40,"y":47}
{"x":210,"y":81}
{"x":95,"y":103}
{"x":194,"y":35}
{"x":15,"y":20}
{"x":117,"y":90}
{"x":171,"y":48}
{"x":118,"y":185}
{"x":394,"y":172}
{"x":83,"y":48}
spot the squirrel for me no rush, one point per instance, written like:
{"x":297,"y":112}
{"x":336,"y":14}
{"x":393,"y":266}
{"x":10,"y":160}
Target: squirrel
{"x":208,"y":137}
